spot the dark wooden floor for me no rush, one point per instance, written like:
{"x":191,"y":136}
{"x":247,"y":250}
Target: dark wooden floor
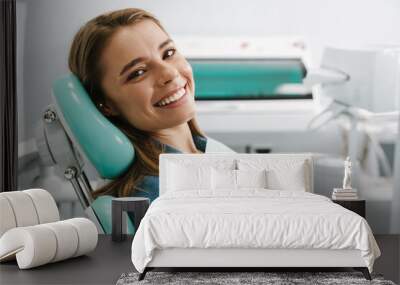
{"x":389,"y":262}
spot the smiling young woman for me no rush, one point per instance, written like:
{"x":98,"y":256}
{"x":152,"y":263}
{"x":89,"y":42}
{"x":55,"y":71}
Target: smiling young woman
{"x":137,"y":78}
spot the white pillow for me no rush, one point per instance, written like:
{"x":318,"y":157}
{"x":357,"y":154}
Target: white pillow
{"x":282,"y":174}
{"x":251,"y":178}
{"x":223,"y":179}
{"x":229,"y":179}
{"x":281,"y":181}
{"x":182,"y":177}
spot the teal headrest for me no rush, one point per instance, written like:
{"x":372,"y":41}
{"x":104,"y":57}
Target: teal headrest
{"x":106,"y":147}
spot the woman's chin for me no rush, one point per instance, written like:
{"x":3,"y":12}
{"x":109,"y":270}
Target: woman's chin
{"x":179,"y":120}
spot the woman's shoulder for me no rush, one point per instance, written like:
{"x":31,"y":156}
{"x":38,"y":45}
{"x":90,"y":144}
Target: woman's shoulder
{"x":148,"y":187}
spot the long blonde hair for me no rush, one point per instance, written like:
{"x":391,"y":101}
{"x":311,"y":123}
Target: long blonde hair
{"x":85,"y":52}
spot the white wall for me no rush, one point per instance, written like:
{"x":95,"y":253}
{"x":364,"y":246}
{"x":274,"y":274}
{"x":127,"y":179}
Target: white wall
{"x":46,"y":27}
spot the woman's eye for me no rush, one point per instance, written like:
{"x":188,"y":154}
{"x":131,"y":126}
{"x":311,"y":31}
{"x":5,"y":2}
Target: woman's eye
{"x":136,"y":74}
{"x":169,"y":53}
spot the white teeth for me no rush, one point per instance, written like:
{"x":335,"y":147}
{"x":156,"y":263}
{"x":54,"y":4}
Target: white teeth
{"x":172,"y":98}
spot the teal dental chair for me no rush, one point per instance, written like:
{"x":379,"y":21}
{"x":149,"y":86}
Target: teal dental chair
{"x":74,"y":127}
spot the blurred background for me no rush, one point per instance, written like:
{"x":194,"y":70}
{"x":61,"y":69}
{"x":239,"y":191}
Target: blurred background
{"x":287,"y":76}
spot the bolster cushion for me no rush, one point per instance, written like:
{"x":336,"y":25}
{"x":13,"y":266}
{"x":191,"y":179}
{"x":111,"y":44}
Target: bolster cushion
{"x":26,"y":208}
{"x":40,"y":244}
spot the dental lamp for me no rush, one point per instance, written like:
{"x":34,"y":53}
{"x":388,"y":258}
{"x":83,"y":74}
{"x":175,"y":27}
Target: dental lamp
{"x":364,"y":86}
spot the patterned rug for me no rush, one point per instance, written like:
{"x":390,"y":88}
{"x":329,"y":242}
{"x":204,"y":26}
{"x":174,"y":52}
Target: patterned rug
{"x":243,"y":278}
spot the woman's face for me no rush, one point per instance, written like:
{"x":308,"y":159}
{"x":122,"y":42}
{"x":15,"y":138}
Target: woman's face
{"x":145,"y":79}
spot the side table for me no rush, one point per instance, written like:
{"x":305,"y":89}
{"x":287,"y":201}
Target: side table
{"x":357,"y":206}
{"x":136,"y":205}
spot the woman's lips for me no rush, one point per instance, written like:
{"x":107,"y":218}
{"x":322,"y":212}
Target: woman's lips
{"x":177,"y":103}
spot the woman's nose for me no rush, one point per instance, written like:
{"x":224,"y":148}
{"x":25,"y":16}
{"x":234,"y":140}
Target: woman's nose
{"x":168,"y":73}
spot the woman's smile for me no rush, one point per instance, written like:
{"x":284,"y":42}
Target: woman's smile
{"x":178,"y":98}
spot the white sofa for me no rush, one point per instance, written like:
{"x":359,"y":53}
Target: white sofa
{"x":31,"y":233}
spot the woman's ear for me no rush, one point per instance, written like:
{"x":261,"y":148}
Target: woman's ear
{"x":107,"y":109}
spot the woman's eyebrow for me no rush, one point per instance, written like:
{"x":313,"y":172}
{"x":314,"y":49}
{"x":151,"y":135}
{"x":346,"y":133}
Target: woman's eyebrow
{"x":163,"y":44}
{"x":135,"y":61}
